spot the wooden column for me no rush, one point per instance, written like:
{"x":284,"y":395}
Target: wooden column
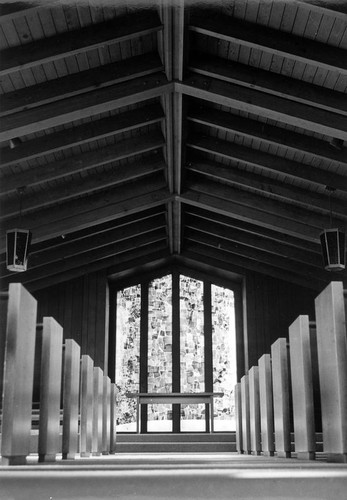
{"x":238,"y":418}
{"x":98,"y":389}
{"x":266,"y":405}
{"x":113,"y":435}
{"x":254,"y":410}
{"x":332,"y":362}
{"x":50,"y":390}
{"x":246,"y":438}
{"x":302,"y":388}
{"x":18,"y":375}
{"x":86,"y":428}
{"x":71,"y":393}
{"x":280,"y":381}
{"x":106,"y":415}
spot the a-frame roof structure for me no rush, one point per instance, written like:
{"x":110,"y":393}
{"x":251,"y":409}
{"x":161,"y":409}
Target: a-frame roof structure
{"x":135,"y":134}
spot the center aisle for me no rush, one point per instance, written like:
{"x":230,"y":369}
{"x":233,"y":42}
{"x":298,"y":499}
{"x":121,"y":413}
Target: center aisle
{"x":173,"y":476}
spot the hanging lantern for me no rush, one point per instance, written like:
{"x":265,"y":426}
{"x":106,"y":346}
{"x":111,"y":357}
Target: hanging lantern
{"x":17,"y":246}
{"x":333,"y":249}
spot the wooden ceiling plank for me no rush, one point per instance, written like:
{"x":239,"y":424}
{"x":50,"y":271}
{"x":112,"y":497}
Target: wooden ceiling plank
{"x":269,"y":133}
{"x":90,"y":211}
{"x":274,"y":187}
{"x":83,"y":162}
{"x":324,"y":7}
{"x":267,"y":161}
{"x":74,"y":188}
{"x":58,"y":141}
{"x":254,"y":241}
{"x":83,"y":106}
{"x":257,"y":254}
{"x":77,"y":247}
{"x":269,"y":40}
{"x":11,"y":11}
{"x":74,"y":42}
{"x":78,"y":83}
{"x":260,"y":103}
{"x":253,"y":229}
{"x":272,"y":83}
{"x":240,"y":264}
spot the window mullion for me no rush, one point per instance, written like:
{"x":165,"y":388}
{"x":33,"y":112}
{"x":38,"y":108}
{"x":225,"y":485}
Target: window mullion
{"x":144,"y":352}
{"x":176,"y":348}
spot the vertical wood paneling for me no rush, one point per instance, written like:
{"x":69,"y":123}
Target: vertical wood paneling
{"x":80,"y":308}
{"x":272,"y":305}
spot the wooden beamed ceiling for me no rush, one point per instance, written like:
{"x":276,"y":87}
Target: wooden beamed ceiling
{"x":138,"y":135}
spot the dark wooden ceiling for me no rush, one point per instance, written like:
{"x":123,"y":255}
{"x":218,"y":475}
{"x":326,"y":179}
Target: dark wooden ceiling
{"x":210,"y":134}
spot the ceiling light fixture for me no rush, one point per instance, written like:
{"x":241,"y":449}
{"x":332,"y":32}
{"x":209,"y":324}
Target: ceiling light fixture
{"x":333,"y":243}
{"x":17,"y":243}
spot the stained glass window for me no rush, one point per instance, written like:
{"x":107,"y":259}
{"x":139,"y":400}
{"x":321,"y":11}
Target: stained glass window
{"x":127,"y":355}
{"x":192,"y":344}
{"x":160,"y":350}
{"x":224,"y":357}
{"x":189,"y":368}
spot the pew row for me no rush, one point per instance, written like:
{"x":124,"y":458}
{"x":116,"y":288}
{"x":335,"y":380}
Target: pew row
{"x":279,"y":398}
{"x":75,"y":413}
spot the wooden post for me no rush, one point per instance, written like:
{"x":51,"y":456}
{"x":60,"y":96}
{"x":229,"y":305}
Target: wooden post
{"x":302,"y":388}
{"x":18,"y":375}
{"x":238,"y":417}
{"x":113,"y":435}
{"x":332,"y":363}
{"x":280,"y":381}
{"x":106,"y":416}
{"x":71,"y":393}
{"x":266,"y":405}
{"x":246,"y":439}
{"x":254,"y":410}
{"x":98,"y":377}
{"x":50,"y":389}
{"x":86,"y":406}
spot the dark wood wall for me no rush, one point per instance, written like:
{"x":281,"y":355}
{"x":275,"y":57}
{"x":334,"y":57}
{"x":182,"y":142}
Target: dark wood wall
{"x":272,"y":305}
{"x":80,"y":306}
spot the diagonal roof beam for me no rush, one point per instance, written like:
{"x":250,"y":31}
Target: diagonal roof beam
{"x":225,"y":149}
{"x":269,"y":40}
{"x":92,"y":210}
{"x":76,"y":187}
{"x":82,"y":134}
{"x":253,"y":229}
{"x":273,"y":187}
{"x":75,"y":42}
{"x":92,"y":242}
{"x":237,"y":263}
{"x":257,"y":254}
{"x":83,"y":106}
{"x":82,"y":162}
{"x":120,"y":261}
{"x":79,"y":83}
{"x":260,"y":103}
{"x":266,"y":133}
{"x":238,"y":236}
{"x":268,"y":82}
{"x":256,"y":209}
{"x":89,"y":257}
